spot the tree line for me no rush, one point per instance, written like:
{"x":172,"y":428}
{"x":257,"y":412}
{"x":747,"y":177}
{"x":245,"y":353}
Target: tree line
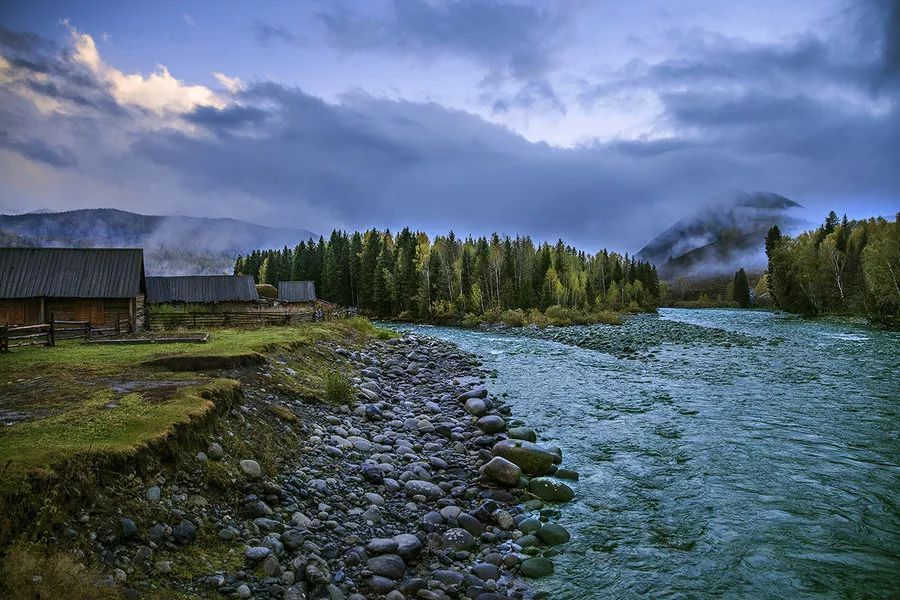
{"x":408,"y":275}
{"x":842,"y":267}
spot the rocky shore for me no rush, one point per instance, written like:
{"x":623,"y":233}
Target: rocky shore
{"x":421,"y":487}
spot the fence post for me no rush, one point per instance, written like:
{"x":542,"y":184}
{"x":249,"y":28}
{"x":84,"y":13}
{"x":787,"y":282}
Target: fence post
{"x":118,"y":330}
{"x":52,"y":340}
{"x":194,"y":316}
{"x":4,"y":338}
{"x":87,"y":330}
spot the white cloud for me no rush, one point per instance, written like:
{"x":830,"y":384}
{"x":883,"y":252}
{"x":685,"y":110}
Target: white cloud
{"x":188,"y":19}
{"x":159,"y":92}
{"x":232,"y":84}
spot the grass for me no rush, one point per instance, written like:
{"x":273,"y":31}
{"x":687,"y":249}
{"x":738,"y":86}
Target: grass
{"x":83,"y":401}
{"x":29,"y":573}
{"x":337,"y":388}
{"x":104,"y":424}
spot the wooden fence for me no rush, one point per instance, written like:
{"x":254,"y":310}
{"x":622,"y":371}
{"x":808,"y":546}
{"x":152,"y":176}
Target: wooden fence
{"x":46,"y":334}
{"x":194,"y":320}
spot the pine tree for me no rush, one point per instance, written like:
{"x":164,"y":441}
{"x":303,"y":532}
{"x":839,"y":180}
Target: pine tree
{"x":741,"y":289}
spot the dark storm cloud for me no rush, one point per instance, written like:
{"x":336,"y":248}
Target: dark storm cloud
{"x":509,"y":38}
{"x":806,"y":118}
{"x":38,"y":150}
{"x":226,"y":118}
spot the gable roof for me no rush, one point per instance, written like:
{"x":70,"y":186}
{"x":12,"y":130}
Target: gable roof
{"x":201,"y":288}
{"x":71,"y":272}
{"x":296,"y":291}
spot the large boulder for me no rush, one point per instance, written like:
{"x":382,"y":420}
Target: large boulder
{"x":553,"y":534}
{"x":502,"y":471}
{"x":536,"y":567}
{"x":550,"y":490}
{"x":492,"y":424}
{"x":531,"y":458}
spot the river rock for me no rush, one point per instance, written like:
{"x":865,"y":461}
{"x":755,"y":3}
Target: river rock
{"x":475,"y":407}
{"x":566,"y":474}
{"x":550,"y":490}
{"x":416,"y":487}
{"x":553,"y":534}
{"x":382,"y":546}
{"x":215,"y":451}
{"x":486,"y":571}
{"x":491,"y":424}
{"x":251,"y":469}
{"x":387,"y":565}
{"x":522,"y":433}
{"x":537,"y":567}
{"x":529,"y":525}
{"x":458,"y":539}
{"x":476,"y":393}
{"x":408,"y":545}
{"x":184,"y":532}
{"x":502,"y":471}
{"x":531,"y":458}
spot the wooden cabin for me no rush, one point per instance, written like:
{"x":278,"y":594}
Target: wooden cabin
{"x":296,"y":292}
{"x":216,"y":292}
{"x":99,"y":285}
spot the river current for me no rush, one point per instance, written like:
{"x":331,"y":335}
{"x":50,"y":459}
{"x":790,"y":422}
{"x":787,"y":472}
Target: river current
{"x":722,"y":453}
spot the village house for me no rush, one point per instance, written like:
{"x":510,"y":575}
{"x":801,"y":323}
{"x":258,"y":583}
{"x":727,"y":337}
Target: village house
{"x":219,"y":292}
{"x":104,"y":286}
{"x":290,"y":292}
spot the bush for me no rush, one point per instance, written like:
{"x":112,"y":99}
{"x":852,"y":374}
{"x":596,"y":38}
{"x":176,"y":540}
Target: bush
{"x":362,"y":325}
{"x":514,"y":318}
{"x":337,"y":388}
{"x":471,"y":320}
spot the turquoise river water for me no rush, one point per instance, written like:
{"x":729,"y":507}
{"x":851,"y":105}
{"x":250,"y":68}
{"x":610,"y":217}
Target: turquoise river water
{"x":722,"y":453}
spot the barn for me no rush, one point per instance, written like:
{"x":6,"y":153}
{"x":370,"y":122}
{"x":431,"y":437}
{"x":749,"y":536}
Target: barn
{"x":231,"y":292}
{"x":296,"y":291}
{"x":100,"y":285}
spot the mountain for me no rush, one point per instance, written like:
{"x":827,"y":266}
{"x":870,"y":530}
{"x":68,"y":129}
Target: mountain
{"x":173,"y":245}
{"x":722,"y":237}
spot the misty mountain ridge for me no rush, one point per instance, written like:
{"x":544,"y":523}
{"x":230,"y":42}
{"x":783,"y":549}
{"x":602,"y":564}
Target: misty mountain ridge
{"x":173,"y":245}
{"x":721,"y":237}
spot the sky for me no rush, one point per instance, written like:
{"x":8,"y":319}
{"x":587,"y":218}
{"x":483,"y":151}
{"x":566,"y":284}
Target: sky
{"x":601,"y":122}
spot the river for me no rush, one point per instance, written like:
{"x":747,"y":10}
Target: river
{"x":722,"y":453}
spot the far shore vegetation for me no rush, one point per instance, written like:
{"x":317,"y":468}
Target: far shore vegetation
{"x":842,"y":267}
{"x":470,"y":281}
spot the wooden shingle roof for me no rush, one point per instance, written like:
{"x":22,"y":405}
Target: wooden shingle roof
{"x":71,"y":272}
{"x":201,"y":289}
{"x":296,"y":291}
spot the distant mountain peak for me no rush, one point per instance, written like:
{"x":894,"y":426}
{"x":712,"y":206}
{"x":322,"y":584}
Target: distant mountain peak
{"x":722,"y":236}
{"x":173,"y":244}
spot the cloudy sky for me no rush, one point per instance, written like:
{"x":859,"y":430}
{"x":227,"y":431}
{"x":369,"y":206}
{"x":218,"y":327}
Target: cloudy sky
{"x":601,"y":122}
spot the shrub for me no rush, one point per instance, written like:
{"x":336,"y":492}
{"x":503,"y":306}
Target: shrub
{"x":362,"y":325}
{"x":514,"y":318}
{"x":471,"y":320}
{"x":337,"y":388}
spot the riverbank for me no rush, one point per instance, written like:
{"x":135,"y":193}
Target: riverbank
{"x":400,"y":492}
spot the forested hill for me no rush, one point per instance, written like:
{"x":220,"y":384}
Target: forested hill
{"x":448,"y":278}
{"x":173,"y":244}
{"x":843,"y":267}
{"x":722,"y":237}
